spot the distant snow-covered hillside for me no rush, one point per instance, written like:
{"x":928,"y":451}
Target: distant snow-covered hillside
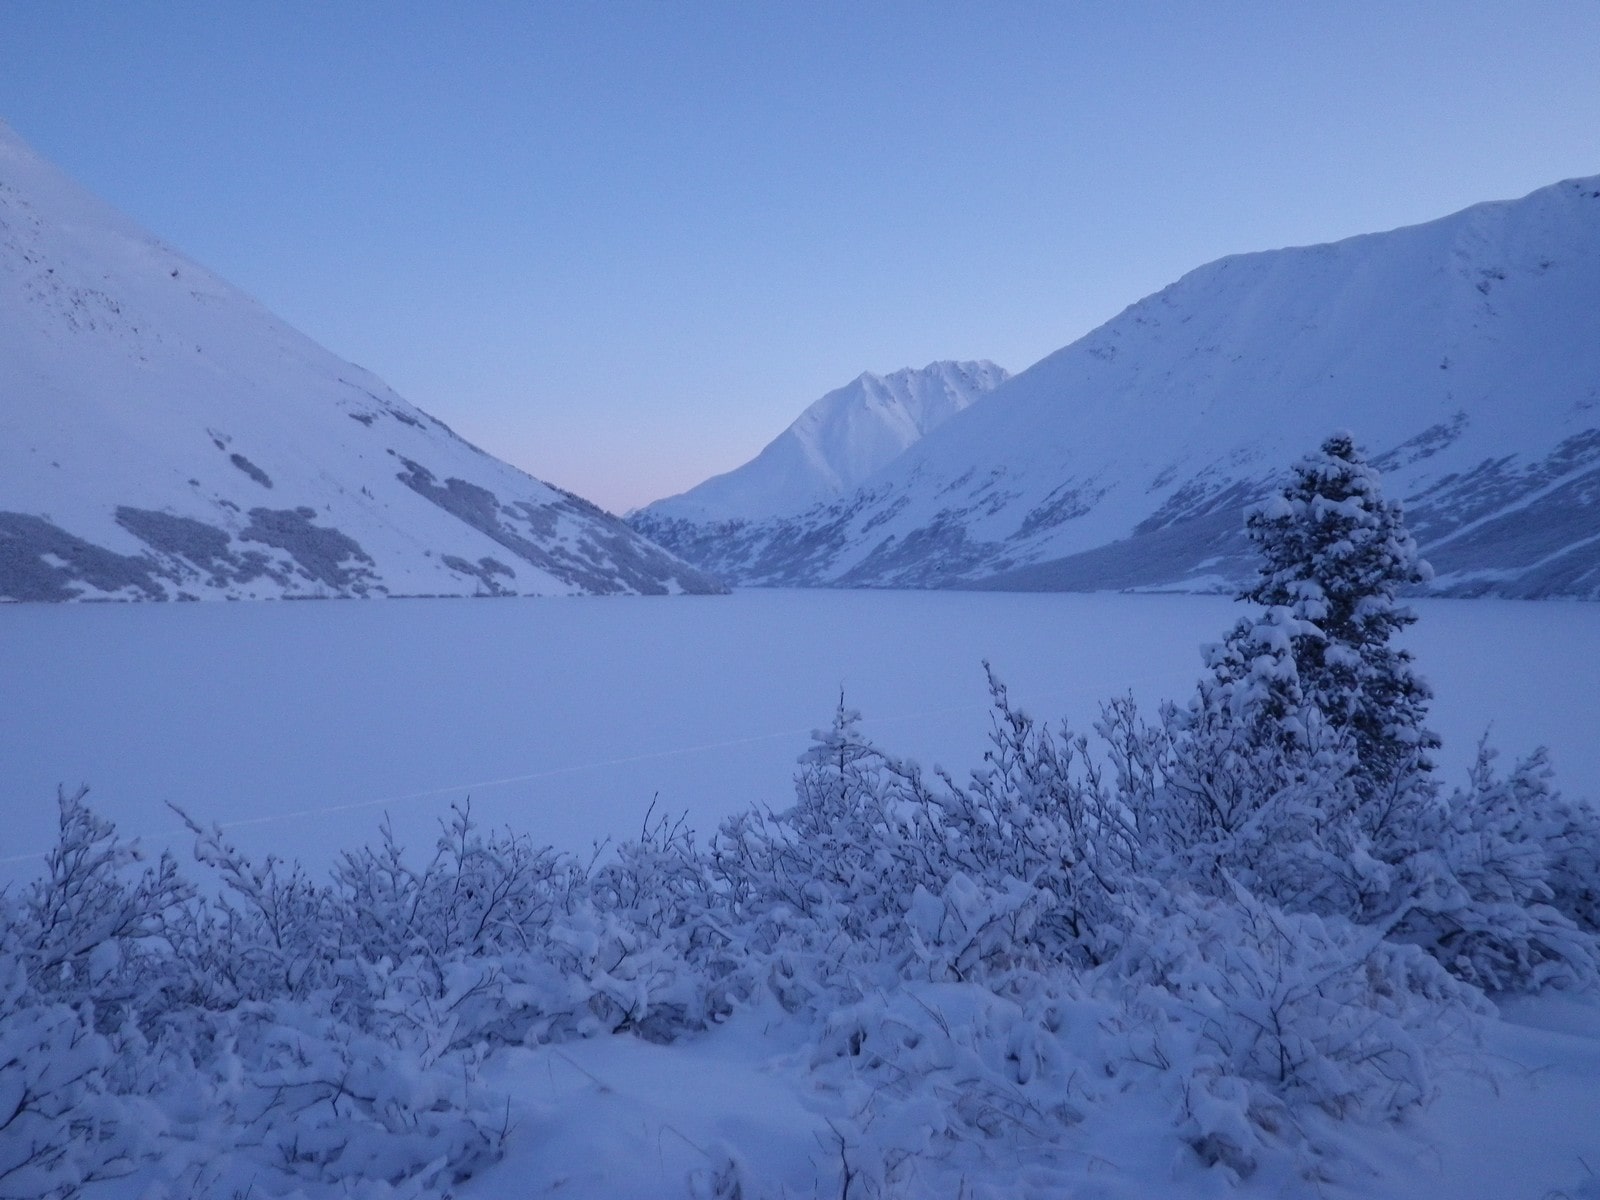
{"x":837,"y":442}
{"x":162,"y":436}
{"x":1464,"y":354}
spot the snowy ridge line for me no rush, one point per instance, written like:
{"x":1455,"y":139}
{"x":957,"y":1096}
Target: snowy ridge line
{"x":553,"y":772}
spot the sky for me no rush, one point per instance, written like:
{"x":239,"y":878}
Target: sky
{"x":622,"y":245}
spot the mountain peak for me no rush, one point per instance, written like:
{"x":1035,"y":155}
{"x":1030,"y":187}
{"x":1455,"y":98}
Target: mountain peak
{"x":838,"y":442}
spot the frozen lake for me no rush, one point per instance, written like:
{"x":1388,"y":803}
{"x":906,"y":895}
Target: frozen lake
{"x":298,"y":726}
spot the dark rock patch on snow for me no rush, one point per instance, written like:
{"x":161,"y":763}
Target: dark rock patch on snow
{"x":41,"y":561}
{"x":319,"y":551}
{"x":250,"y":469}
{"x":599,"y":555}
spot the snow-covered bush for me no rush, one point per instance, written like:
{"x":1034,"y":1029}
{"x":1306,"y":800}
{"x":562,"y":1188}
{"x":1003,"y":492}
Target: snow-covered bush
{"x":96,"y":925}
{"x":943,"y":1082}
{"x":664,"y":958}
{"x":84,"y":955}
{"x":876,"y":875}
{"x":1494,"y":917}
{"x":1238,"y":801}
{"x":62,"y":1124}
{"x":1269,"y":1018}
{"x":1040,"y":811}
{"x":819,"y":892}
{"x":270,"y":934}
{"x":848,"y":853}
{"x":1574,"y":870}
{"x":143,"y":1028}
{"x":284,"y":1088}
{"x":464,"y":941}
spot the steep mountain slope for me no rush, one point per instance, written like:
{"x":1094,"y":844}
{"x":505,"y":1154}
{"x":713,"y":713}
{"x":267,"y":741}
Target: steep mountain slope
{"x":837,"y":442}
{"x":1464,"y":354}
{"x":163,"y":436}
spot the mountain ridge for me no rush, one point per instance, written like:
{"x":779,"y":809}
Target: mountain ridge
{"x":164,"y":436}
{"x":1463,"y":352}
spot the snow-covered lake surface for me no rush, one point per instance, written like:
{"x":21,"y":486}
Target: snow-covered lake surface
{"x":299,"y":726}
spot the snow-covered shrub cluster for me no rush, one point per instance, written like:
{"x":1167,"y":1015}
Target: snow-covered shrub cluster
{"x":1257,"y":915}
{"x":212,"y":1044}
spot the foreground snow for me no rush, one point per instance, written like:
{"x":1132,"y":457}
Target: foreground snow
{"x":620,"y":1119}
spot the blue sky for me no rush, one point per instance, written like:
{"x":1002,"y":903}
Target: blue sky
{"x":623,"y":244}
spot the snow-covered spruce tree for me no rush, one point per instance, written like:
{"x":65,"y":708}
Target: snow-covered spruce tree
{"x":1334,"y":556}
{"x":1303,"y":769}
{"x":1303,"y":764}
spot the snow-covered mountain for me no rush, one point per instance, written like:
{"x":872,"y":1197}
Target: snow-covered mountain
{"x":163,"y":436}
{"x":1463,"y":353}
{"x":837,"y":443}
